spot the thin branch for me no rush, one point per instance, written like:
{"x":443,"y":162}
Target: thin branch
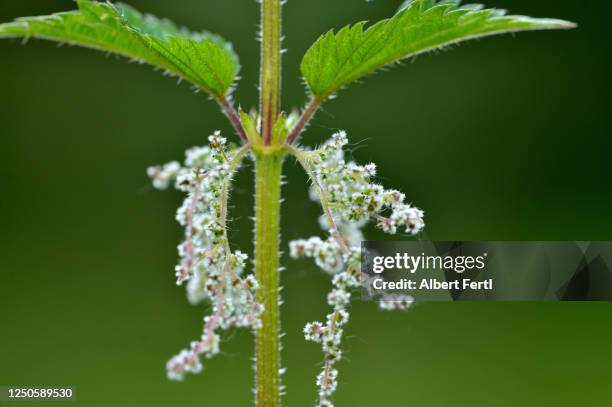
{"x":233,"y":163}
{"x":333,"y":226}
{"x":328,"y":358}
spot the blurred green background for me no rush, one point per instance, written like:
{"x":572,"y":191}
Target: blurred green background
{"x":504,"y":138}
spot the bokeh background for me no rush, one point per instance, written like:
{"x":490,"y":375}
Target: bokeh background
{"x":504,"y":138}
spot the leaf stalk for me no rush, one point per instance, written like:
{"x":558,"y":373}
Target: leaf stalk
{"x":233,"y":116}
{"x":304,"y":119}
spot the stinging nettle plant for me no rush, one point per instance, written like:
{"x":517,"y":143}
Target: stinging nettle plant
{"x":347,"y":192}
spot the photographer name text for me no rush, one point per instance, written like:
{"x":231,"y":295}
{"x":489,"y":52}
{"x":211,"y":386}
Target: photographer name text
{"x":404,"y":262}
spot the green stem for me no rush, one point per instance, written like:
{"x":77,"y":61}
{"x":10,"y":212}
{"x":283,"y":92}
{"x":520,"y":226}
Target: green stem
{"x":270,"y":74}
{"x":268,"y":170}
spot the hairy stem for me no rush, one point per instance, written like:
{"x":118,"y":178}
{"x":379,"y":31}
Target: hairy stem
{"x":270,"y":73}
{"x":268,"y":169}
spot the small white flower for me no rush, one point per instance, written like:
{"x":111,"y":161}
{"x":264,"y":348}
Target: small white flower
{"x":338,"y":298}
{"x":327,"y":382}
{"x":339,"y":318}
{"x":297,"y":248}
{"x":216,"y":141}
{"x":370,"y":170}
{"x":394,"y":197}
{"x":162,"y":176}
{"x":314,"y":331}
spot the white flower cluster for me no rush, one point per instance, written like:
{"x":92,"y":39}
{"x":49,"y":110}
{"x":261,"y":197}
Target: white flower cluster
{"x":212,"y":271}
{"x":352,"y":195}
{"x":350,"y":199}
{"x":329,"y":334}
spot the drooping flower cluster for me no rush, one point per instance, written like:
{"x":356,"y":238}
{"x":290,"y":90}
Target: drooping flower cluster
{"x":212,"y":271}
{"x":352,"y":195}
{"x":329,"y":334}
{"x":350,"y":199}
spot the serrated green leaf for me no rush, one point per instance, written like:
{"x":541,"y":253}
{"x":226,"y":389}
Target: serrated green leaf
{"x":338,"y":58}
{"x":204,"y":59}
